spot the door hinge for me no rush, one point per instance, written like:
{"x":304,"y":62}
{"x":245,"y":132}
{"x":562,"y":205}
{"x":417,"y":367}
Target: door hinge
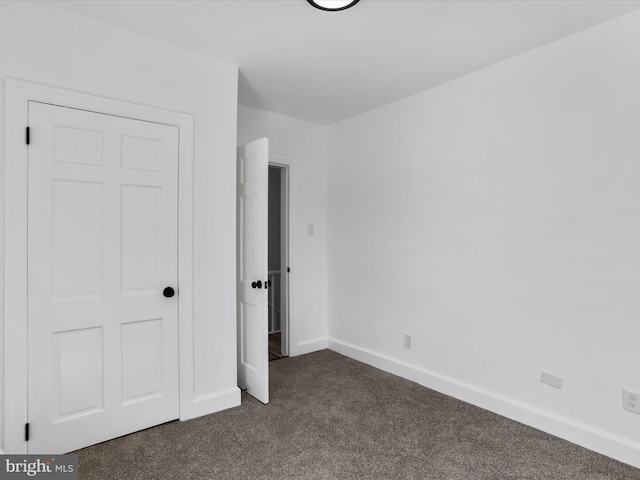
{"x":28,"y":136}
{"x":26,"y":432}
{"x":288,"y":269}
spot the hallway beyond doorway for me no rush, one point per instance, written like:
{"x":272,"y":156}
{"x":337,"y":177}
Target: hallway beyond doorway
{"x":275,"y":351}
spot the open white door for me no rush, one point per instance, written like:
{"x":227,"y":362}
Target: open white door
{"x":102,"y":246}
{"x":253,"y":328}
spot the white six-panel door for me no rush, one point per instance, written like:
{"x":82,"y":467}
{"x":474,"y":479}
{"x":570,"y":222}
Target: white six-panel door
{"x":102,"y":247}
{"x":253,"y":328}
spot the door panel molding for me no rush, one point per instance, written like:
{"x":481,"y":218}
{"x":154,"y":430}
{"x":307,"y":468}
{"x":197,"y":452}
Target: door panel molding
{"x":18,"y":94}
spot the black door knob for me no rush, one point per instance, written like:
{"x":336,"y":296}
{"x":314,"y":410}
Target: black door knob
{"x":168,"y":292}
{"x":257,"y":284}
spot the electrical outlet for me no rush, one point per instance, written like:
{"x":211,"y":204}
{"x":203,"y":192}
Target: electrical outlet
{"x":630,"y":400}
{"x":407,"y":341}
{"x":552,"y":380}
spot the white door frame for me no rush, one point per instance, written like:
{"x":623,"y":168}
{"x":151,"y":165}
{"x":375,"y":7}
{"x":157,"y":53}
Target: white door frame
{"x":17,"y":96}
{"x":287,"y":162}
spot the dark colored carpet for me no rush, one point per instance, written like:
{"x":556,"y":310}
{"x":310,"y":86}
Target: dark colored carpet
{"x":331,"y":417}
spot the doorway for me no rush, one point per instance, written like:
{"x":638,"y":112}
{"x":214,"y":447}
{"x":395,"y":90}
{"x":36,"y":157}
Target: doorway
{"x":278,"y":298}
{"x":18,"y":357}
{"x":262,"y":291}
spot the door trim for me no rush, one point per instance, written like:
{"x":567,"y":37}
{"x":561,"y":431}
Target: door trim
{"x":18,"y":94}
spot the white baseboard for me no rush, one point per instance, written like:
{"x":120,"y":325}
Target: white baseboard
{"x":302,"y":348}
{"x":587,"y":436}
{"x":214,"y":402}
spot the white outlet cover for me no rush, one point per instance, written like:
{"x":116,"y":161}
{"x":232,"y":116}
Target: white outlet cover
{"x":631,"y":400}
{"x":550,"y":379}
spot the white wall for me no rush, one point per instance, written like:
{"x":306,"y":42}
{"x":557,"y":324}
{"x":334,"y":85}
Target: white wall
{"x":40,"y":44}
{"x":496,"y":219}
{"x":304,"y":144}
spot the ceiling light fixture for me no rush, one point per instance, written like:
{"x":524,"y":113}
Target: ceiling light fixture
{"x":333,"y":5}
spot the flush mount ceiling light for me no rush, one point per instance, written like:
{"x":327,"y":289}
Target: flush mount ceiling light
{"x":333,"y":5}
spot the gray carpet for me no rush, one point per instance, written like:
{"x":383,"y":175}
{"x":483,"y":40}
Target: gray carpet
{"x":331,"y":417}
